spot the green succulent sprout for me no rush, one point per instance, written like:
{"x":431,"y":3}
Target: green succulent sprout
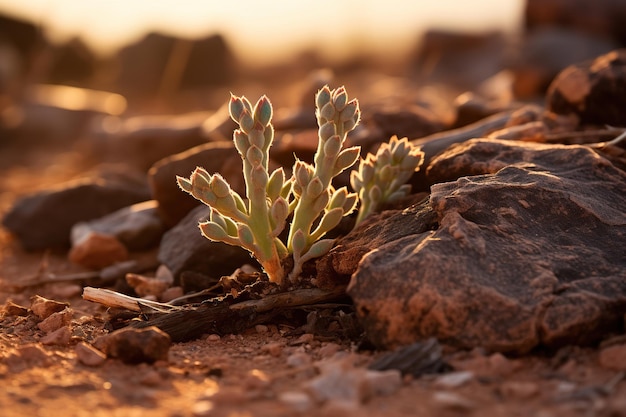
{"x":317,"y":207}
{"x":382,"y":178}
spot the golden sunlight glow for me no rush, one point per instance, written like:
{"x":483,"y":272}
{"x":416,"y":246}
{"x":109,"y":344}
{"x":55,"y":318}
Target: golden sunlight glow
{"x":73,"y":98}
{"x":270,"y":29}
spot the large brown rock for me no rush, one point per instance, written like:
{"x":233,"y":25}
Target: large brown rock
{"x":595,"y":90}
{"x":528,"y":252}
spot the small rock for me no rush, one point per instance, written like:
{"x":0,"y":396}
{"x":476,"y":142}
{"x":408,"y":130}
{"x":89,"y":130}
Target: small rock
{"x":43,"y":308}
{"x":56,"y":320}
{"x":97,"y":251}
{"x":147,"y":286}
{"x":593,"y":90}
{"x":171,"y":294}
{"x":299,"y":359}
{"x":61,"y":337}
{"x":297,"y":400}
{"x":132,"y":345}
{"x":256,"y":379}
{"x":340,"y":380}
{"x":453,"y":379}
{"x":520,"y":390}
{"x":89,"y":355}
{"x":45,"y":219}
{"x":213,"y":337}
{"x":383,"y":382}
{"x":275,"y":349}
{"x":613,"y":357}
{"x":11,"y":309}
{"x":305,"y":339}
{"x":151,"y":378}
{"x":452,"y":401}
{"x":137,"y":227}
{"x":329,"y":349}
{"x":261,"y":328}
{"x":184,"y":249}
{"x":202,"y":408}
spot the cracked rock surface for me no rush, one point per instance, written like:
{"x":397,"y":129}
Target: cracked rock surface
{"x":529,"y":251}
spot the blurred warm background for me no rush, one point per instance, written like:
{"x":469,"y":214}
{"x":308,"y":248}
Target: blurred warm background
{"x":71,"y":68}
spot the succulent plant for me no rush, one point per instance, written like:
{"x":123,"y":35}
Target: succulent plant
{"x":316,"y":206}
{"x":382,"y":178}
{"x":256,"y":222}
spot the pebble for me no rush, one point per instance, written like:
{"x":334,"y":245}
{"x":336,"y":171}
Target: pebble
{"x":202,"y":408}
{"x":329,"y":349}
{"x":261,"y":328}
{"x":138,"y":345}
{"x":43,"y":308}
{"x":304,"y":339}
{"x":613,"y":357}
{"x":11,"y":309}
{"x":149,"y":286}
{"x":56,"y":320}
{"x":89,"y":355}
{"x":172,"y":293}
{"x":299,"y":359}
{"x":213,"y":337}
{"x":275,"y":349}
{"x":97,"y":251}
{"x":137,"y":227}
{"x":453,"y":379}
{"x":452,"y":401}
{"x":61,"y":337}
{"x":340,"y":380}
{"x":256,"y":379}
{"x":151,"y":378}
{"x":520,"y":390}
{"x":299,"y":401}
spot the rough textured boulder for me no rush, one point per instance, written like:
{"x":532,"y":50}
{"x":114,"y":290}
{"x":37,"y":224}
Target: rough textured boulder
{"x":45,"y":219}
{"x":528,"y":251}
{"x":593,"y":90}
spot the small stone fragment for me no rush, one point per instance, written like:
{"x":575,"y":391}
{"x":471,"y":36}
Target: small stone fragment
{"x":89,"y":355}
{"x":171,"y":294}
{"x":11,"y":309}
{"x":521,"y":390}
{"x":132,"y":345}
{"x":613,"y":357}
{"x":297,"y":400}
{"x":261,"y":328}
{"x":383,"y":382}
{"x":453,"y":379}
{"x":60,"y":336}
{"x":137,"y":227}
{"x":97,"y":251}
{"x":43,"y":308}
{"x":453,"y":401}
{"x":299,"y":359}
{"x":275,"y":349}
{"x":147,"y":286}
{"x":329,"y":349}
{"x":56,"y":320}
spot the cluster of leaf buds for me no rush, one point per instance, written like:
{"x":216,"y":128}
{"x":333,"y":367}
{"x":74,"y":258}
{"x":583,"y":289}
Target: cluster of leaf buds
{"x":382,"y":178}
{"x":254,"y":226}
{"x":318,"y":206}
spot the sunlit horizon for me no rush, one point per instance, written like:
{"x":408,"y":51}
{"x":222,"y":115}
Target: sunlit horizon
{"x":264,"y":31}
